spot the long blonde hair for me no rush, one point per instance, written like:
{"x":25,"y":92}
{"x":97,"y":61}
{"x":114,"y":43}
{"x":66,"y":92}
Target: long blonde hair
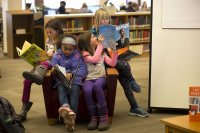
{"x":101,"y":14}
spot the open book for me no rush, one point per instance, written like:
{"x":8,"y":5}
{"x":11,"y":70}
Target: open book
{"x":32,"y":53}
{"x":61,"y":75}
{"x":112,"y":39}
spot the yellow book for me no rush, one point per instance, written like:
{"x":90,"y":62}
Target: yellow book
{"x":32,"y":53}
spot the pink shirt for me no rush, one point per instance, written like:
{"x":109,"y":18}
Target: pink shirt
{"x":95,"y":63}
{"x":98,"y":55}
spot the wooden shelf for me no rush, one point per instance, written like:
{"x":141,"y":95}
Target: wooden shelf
{"x":139,"y":23}
{"x":18,"y":19}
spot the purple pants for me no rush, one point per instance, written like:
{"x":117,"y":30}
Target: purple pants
{"x":26,"y":90}
{"x":28,"y":83}
{"x":97,"y":87}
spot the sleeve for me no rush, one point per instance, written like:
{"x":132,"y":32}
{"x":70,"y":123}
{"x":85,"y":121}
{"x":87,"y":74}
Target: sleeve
{"x":54,"y":60}
{"x":82,"y":70}
{"x":96,"y":57}
{"x":111,"y":61}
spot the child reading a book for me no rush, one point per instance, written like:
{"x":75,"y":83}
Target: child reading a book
{"x":125,"y":77}
{"x":54,"y":33}
{"x":70,"y":58}
{"x":92,"y":51}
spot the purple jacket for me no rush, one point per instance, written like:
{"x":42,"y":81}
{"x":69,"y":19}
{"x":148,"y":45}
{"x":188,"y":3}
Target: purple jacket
{"x":70,"y":63}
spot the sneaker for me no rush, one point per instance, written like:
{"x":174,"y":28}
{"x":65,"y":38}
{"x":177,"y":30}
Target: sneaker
{"x":138,"y":112}
{"x":69,"y":117}
{"x":135,"y":87}
{"x":70,"y":122}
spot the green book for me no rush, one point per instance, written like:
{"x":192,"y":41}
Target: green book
{"x":32,"y":53}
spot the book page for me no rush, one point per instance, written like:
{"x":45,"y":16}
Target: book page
{"x":25,"y":46}
{"x":62,"y":69}
{"x":19,"y":51}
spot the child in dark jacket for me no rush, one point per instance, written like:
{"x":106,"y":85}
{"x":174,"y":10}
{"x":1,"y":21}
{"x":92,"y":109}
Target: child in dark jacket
{"x":69,"y":58}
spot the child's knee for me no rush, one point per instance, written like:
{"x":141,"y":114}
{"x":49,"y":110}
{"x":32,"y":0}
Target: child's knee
{"x":123,"y":66}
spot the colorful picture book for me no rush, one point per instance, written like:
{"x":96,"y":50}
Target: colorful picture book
{"x":112,"y":35}
{"x":194,"y":103}
{"x":32,"y":53}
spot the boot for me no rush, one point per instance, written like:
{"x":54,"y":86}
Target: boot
{"x":103,"y":117}
{"x":25,"y":108}
{"x":37,"y":76}
{"x":103,"y":123}
{"x":93,"y":124}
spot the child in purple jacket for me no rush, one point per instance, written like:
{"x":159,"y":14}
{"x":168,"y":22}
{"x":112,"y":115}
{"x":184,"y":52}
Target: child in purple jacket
{"x":69,"y":58}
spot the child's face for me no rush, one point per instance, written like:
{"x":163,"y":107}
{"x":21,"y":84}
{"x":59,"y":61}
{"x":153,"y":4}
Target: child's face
{"x":104,"y":21}
{"x":51,"y":33}
{"x":67,"y":49}
{"x":93,"y":41}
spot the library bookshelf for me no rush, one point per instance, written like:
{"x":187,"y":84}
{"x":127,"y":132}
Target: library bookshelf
{"x":19,"y":28}
{"x":139,"y":25}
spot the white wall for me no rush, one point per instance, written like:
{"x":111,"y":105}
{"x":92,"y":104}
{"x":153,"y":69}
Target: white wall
{"x":8,"y":5}
{"x":175,"y":63}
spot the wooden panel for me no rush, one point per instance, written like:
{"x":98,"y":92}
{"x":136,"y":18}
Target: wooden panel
{"x":181,"y":123}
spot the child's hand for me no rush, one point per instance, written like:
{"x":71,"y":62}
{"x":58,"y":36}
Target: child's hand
{"x":50,"y":52}
{"x":100,"y":38}
{"x":68,"y":76}
{"x":110,"y":49}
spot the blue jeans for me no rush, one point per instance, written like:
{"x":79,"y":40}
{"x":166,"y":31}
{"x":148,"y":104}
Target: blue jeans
{"x":72,"y":98}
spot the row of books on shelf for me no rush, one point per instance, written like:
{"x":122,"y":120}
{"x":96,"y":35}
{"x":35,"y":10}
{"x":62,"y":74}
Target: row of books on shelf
{"x":78,"y":24}
{"x":139,"y":40}
{"x":117,"y":20}
{"x":73,"y":25}
{"x":73,"y":29}
{"x":139,"y":20}
{"x":140,"y":26}
{"x":139,"y":35}
{"x":81,"y":28}
{"x":132,"y":20}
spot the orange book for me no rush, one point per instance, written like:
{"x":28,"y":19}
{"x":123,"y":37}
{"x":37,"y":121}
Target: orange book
{"x":194,"y":103}
{"x":119,"y":51}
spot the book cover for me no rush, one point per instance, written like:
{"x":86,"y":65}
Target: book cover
{"x":32,"y":53}
{"x":111,"y":34}
{"x":116,"y":39}
{"x":194,"y":103}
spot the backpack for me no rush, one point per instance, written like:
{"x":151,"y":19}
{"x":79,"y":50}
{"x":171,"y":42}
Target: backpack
{"x":10,"y":122}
